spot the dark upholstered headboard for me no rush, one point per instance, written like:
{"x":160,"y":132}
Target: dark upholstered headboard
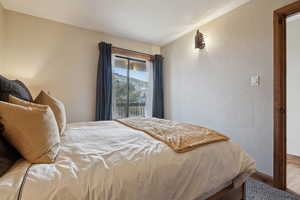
{"x":8,"y":154}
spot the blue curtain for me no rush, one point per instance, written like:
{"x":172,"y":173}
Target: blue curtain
{"x":104,"y":83}
{"x":158,"y":92}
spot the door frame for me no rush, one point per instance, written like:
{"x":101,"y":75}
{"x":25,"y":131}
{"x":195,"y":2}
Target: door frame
{"x":279,"y":20}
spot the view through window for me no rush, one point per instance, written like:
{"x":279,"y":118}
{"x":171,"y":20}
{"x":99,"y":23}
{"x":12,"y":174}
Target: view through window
{"x":132,"y":88}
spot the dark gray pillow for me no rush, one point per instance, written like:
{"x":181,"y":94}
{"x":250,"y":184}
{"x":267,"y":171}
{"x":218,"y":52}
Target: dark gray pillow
{"x":8,"y":154}
{"x":5,"y":165}
{"x":15,"y":88}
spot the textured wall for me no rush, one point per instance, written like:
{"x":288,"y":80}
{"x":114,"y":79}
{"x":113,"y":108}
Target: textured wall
{"x":211,"y":87}
{"x":59,"y":58}
{"x":2,"y":35}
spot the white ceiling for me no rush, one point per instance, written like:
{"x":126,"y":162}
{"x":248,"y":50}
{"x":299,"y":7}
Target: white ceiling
{"x":153,"y":21}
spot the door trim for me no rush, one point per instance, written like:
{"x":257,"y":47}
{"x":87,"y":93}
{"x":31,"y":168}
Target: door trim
{"x":279,"y":22}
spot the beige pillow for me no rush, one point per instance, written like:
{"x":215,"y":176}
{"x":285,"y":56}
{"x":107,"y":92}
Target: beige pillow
{"x":57,"y":107}
{"x":32,"y":131}
{"x":21,"y":102}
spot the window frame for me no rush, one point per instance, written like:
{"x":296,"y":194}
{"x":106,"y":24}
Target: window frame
{"x":129,"y":58}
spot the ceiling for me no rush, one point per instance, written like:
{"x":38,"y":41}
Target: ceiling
{"x":153,"y":21}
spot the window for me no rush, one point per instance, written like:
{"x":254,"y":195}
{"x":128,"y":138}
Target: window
{"x":132,"y":87}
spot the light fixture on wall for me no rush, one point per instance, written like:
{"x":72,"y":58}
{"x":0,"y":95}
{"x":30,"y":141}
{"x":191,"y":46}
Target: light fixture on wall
{"x":199,"y":40}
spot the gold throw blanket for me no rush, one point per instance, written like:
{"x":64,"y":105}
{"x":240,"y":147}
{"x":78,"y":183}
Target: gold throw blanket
{"x":181,"y":137}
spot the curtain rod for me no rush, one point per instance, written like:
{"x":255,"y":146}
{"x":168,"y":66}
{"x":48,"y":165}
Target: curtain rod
{"x":132,"y":51}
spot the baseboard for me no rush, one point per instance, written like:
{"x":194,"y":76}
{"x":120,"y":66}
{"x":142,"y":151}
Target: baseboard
{"x":269,"y":179}
{"x":263,"y":178}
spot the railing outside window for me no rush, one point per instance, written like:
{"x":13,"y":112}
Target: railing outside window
{"x":135,"y":110}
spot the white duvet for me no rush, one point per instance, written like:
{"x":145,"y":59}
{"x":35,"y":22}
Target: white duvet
{"x":109,"y":161}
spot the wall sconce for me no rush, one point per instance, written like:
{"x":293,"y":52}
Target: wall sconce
{"x":199,"y":40}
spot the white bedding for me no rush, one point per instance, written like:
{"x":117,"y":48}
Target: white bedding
{"x":109,"y":161}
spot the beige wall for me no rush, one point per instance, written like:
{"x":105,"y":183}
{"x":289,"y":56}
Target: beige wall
{"x":293,"y":87}
{"x":2,"y":35}
{"x":59,"y":58}
{"x":211,"y":87}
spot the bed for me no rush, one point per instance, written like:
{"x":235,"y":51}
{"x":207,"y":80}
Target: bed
{"x":110,"y":161}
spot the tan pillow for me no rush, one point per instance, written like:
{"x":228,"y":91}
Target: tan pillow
{"x":21,"y":102}
{"x":57,"y":107}
{"x":32,"y":131}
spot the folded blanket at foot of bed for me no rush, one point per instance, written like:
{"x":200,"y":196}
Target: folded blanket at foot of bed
{"x":181,"y":137}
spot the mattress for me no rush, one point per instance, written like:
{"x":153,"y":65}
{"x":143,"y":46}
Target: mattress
{"x":109,"y":161}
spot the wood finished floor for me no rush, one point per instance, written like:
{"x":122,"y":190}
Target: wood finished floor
{"x":293,"y":174}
